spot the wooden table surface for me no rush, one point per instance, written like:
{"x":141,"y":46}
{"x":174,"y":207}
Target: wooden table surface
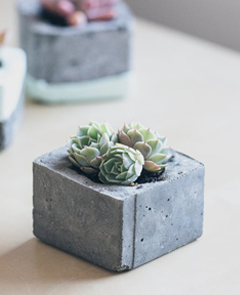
{"x":185,"y":88}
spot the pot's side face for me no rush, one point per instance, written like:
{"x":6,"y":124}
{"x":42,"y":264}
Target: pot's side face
{"x":65,"y":55}
{"x":117,"y":227}
{"x":170,"y":215}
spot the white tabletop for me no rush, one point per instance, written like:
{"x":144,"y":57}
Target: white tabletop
{"x":186,"y":89}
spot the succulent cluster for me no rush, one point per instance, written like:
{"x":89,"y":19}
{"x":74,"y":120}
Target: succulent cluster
{"x":91,"y":143}
{"x":118,"y":158}
{"x":77,"y":12}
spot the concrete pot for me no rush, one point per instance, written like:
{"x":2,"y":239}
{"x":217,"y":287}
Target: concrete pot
{"x":73,"y":64}
{"x":11,"y":93}
{"x":117,"y":227}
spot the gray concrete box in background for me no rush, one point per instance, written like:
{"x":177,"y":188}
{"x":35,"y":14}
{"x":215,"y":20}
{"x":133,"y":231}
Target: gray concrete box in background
{"x":117,"y":227}
{"x":73,"y":54}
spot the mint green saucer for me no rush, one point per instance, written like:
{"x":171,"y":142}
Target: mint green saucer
{"x":112,"y":87}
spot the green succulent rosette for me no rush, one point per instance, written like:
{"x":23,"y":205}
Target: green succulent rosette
{"x":92,"y":133}
{"x":121,"y":165}
{"x":152,"y":146}
{"x":87,"y":148}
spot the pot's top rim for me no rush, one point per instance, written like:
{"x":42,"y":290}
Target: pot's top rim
{"x":58,"y":162}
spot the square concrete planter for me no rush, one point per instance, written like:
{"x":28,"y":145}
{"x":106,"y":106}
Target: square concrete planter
{"x":11,"y":93}
{"x":68,"y":64}
{"x":117,"y":227}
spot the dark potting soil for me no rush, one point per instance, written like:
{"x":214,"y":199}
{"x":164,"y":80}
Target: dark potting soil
{"x":145,"y":177}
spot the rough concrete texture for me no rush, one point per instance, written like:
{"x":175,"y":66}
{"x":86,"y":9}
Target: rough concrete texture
{"x":117,"y":227}
{"x":9,"y":127}
{"x":73,"y":54}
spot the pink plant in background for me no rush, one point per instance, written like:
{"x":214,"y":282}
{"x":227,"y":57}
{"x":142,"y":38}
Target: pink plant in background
{"x":78,"y":12}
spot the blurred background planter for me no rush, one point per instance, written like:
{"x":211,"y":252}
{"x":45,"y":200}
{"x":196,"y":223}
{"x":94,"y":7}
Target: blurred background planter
{"x":117,"y":227}
{"x":76,"y":63}
{"x":12,"y":75}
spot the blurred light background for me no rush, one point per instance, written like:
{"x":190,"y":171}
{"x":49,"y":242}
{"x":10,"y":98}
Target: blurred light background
{"x":215,"y":20}
{"x":186,"y":88}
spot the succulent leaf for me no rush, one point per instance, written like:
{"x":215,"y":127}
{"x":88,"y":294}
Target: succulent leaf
{"x":158,"y":158}
{"x":152,"y":167}
{"x":156,"y":145}
{"x":135,"y":136}
{"x":96,"y":162}
{"x":93,"y":133}
{"x":144,"y":148}
{"x":74,"y":162}
{"x":122,"y":176}
{"x":124,"y":139}
{"x":127,"y":161}
{"x":81,"y":160}
{"x":82,"y":131}
{"x":90,"y":153}
{"x":147,"y":134}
